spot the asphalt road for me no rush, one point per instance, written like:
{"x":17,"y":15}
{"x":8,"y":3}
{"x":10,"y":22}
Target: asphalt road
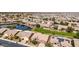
{"x":5,"y":43}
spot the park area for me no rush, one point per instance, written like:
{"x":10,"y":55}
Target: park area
{"x":55,"y":32}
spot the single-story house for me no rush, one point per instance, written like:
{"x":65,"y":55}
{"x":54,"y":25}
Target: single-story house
{"x":25,"y":35}
{"x":11,"y":32}
{"x":40,"y":37}
{"x":76,"y":42}
{"x":53,"y":40}
{"x":41,"y":45}
{"x":65,"y":44}
{"x":2,"y":30}
{"x":62,"y":26}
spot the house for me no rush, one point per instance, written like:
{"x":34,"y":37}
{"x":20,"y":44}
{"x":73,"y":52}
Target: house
{"x":11,"y":32}
{"x":56,"y":45}
{"x":40,"y":37}
{"x":41,"y":45}
{"x":65,"y":44}
{"x":36,"y":20}
{"x":60,"y":27}
{"x":60,"y":41}
{"x":2,"y":30}
{"x":76,"y":28}
{"x":25,"y":35}
{"x":76,"y":42}
{"x":46,"y":23}
{"x":53,"y":40}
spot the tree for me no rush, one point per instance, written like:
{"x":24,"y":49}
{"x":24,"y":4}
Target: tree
{"x":69,"y":29}
{"x":56,"y":27}
{"x":20,"y":39}
{"x":38,"y":25}
{"x":66,"y":23}
{"x":53,"y":19}
{"x":77,"y":35}
{"x":16,"y":37}
{"x":11,"y":37}
{"x":62,"y":23}
{"x":62,"y":29}
{"x":34,"y":41}
{"x":72,"y":43}
{"x":73,"y":24}
{"x":48,"y":44}
{"x":45,"y":19}
{"x":55,"y":22}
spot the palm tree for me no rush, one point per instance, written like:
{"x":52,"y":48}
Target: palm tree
{"x":16,"y":38}
{"x":11,"y":37}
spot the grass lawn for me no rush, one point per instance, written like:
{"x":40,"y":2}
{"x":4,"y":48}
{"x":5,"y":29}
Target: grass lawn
{"x":54,"y":32}
{"x":11,"y":26}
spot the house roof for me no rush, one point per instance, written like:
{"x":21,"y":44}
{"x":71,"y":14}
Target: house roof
{"x":66,"y":44}
{"x":41,"y":45}
{"x":76,"y":42}
{"x":11,"y":32}
{"x":24,"y":34}
{"x":53,"y":40}
{"x":3,"y":29}
{"x":40,"y":37}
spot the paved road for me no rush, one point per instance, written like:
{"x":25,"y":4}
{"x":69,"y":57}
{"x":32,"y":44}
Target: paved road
{"x":6,"y":43}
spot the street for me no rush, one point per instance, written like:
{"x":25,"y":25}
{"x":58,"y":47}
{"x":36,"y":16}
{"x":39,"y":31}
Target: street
{"x":6,"y":43}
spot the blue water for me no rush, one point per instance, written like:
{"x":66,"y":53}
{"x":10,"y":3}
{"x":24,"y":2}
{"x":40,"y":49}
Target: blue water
{"x":23,"y":27}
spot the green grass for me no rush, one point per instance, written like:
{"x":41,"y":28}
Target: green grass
{"x":54,"y":32}
{"x":11,"y":26}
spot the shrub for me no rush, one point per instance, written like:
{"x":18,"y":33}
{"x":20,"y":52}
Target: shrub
{"x":48,"y":45}
{"x":38,"y":25}
{"x":77,"y":35}
{"x":34,"y":41}
{"x":69,"y":29}
{"x":56,"y":27}
{"x":72,"y":43}
{"x":6,"y":37}
{"x":16,"y":37}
